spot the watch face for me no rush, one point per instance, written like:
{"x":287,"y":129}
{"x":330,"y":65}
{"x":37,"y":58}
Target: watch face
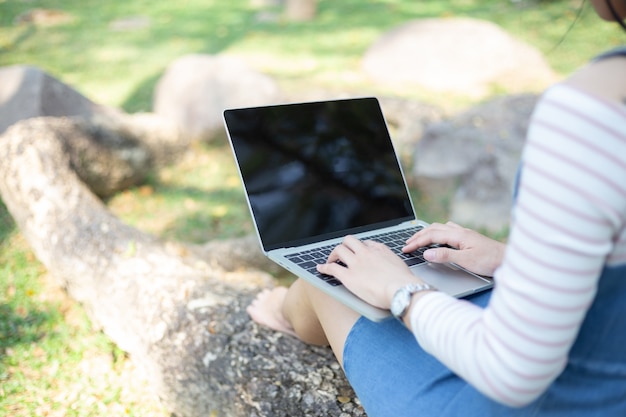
{"x":400,"y":301}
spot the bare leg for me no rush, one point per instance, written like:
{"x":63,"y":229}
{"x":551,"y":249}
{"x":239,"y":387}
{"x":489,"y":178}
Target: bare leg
{"x":307,"y":312}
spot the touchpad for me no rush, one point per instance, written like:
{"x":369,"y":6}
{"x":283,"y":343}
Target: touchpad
{"x":451,"y":280}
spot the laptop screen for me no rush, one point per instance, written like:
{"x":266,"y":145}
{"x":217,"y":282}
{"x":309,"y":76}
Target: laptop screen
{"x":320,"y":170}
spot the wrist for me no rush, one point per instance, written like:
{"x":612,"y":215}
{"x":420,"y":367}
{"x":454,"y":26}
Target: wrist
{"x":415,"y":299}
{"x":393,"y":287}
{"x":404,"y":297}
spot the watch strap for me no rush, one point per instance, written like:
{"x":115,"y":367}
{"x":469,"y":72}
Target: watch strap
{"x":409,"y":290}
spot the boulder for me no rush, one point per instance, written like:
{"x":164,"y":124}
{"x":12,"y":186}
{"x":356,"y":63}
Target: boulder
{"x":110,"y":150}
{"x":196,"y":88}
{"x":473,"y":157}
{"x":457,"y":55}
{"x":27,"y":91}
{"x":407,"y":119}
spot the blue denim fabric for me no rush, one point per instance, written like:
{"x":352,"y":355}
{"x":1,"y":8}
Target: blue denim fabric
{"x":393,"y":376}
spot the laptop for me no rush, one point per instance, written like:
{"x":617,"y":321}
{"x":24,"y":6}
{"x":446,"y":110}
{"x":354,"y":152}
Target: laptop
{"x":315,"y":172}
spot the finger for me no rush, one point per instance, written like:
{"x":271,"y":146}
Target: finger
{"x":453,"y":224}
{"x":450,"y":235}
{"x":427,"y":237}
{"x":352,"y":243}
{"x":340,"y":253}
{"x":346,"y":250}
{"x":374,"y":245}
{"x":425,"y":231}
{"x":442,"y":255}
{"x":333,"y":269}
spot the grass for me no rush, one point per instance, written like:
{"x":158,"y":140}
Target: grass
{"x":120,"y":67}
{"x":52,"y":361}
{"x":197,"y":200}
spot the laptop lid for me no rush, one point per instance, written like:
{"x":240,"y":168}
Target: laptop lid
{"x":318,"y":170}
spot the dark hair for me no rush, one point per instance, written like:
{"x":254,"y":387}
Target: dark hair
{"x":615,"y":15}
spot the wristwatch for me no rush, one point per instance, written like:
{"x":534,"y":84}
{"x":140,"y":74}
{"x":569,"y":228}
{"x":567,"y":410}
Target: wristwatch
{"x":402,"y":298}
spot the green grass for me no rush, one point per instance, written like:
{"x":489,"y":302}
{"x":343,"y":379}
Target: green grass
{"x":197,"y":200}
{"x":52,"y":361}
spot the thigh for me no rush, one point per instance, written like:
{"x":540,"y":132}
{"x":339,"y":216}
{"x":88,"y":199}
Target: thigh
{"x":392,"y":375}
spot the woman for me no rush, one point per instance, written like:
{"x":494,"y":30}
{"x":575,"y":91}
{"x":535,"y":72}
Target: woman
{"x":549,"y":339}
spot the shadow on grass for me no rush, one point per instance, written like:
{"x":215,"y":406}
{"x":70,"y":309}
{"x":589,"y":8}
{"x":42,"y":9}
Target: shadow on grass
{"x":215,"y":28}
{"x":20,"y":326}
{"x":7,"y":224}
{"x":340,"y":29}
{"x":218,"y":28}
{"x":210,"y":215}
{"x":25,"y":34}
{"x":141,"y":98}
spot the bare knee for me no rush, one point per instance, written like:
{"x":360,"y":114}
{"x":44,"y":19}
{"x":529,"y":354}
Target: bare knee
{"x":318,"y":318}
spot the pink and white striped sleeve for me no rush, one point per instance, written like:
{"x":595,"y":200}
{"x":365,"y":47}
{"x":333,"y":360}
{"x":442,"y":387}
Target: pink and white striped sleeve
{"x":568,"y":223}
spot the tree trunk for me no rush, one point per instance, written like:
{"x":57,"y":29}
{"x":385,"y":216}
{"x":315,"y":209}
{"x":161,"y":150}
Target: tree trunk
{"x":300,"y":10}
{"x":179,"y":315}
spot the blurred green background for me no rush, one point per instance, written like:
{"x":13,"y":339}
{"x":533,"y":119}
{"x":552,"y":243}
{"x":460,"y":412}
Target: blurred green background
{"x":114,"y":51}
{"x":52,"y":362}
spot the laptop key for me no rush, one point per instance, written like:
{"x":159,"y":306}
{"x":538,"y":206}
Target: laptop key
{"x":307,"y":264}
{"x":416,"y":260}
{"x":329,"y":279}
{"x":394,"y":240}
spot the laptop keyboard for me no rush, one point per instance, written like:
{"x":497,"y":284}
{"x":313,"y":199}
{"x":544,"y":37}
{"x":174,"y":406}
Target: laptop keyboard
{"x":394,"y":240}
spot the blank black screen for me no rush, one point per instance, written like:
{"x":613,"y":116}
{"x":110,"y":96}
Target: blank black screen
{"x":321,"y":169}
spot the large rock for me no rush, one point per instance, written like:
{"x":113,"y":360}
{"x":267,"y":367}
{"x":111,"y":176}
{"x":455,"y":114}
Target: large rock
{"x":116,"y":150}
{"x":195,"y":89}
{"x":27,"y":92}
{"x":473,"y":158}
{"x":110,"y":155}
{"x":459,"y":55}
{"x":407,"y":119}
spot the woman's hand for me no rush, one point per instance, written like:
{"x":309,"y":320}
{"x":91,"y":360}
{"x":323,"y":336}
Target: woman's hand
{"x":370,"y":270}
{"x":472,"y":251}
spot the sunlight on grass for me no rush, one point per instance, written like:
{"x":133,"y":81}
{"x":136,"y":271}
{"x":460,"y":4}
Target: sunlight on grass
{"x":108,"y":65}
{"x":195,"y":201}
{"x":52,"y":362}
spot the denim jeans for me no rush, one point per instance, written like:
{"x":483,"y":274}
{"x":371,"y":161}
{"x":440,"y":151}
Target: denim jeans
{"x":393,"y":376}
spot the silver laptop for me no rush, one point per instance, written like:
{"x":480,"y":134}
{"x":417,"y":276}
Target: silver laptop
{"x":315,"y":172}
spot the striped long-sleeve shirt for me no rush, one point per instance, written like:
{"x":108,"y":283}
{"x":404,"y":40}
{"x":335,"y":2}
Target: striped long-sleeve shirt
{"x":568,"y":224}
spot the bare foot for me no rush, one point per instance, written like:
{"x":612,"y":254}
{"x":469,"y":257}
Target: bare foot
{"x":266,"y":309}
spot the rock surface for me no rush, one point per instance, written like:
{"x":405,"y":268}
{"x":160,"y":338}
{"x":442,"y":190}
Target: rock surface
{"x":27,"y":91}
{"x":456,"y":55}
{"x":473,"y":158}
{"x":195,"y":89}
